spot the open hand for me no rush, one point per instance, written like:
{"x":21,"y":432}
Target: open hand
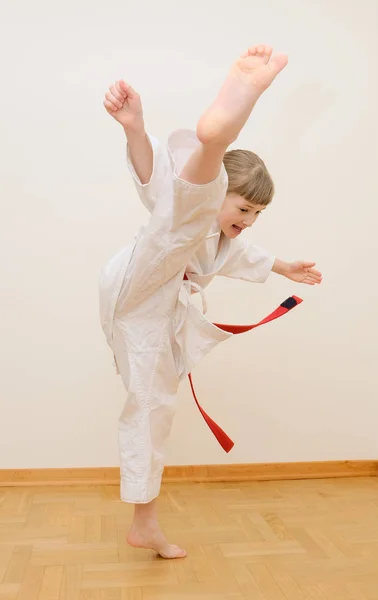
{"x":303,"y":272}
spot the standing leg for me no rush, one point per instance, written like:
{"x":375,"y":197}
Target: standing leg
{"x":152,"y":381}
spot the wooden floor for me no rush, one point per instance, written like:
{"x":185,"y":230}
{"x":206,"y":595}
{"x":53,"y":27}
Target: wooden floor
{"x":292,"y":540}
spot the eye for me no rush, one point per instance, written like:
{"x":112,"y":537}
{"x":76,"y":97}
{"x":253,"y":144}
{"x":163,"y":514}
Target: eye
{"x":243,"y":210}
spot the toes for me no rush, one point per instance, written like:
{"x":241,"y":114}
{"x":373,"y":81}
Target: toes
{"x":268,"y":52}
{"x":261,"y":51}
{"x":173,"y":552}
{"x":256,"y":50}
{"x":264,"y":52}
{"x":180,"y":551}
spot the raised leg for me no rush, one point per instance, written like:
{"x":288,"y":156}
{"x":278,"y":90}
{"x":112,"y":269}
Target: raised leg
{"x":222,"y":122}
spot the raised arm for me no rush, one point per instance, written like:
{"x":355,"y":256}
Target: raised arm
{"x":123,"y":103}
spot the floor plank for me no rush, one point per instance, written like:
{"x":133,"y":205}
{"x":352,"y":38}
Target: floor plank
{"x":289,"y":540}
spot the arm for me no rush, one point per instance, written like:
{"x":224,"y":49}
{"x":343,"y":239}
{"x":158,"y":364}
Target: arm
{"x":124,"y":104}
{"x":141,"y":154}
{"x":252,"y":263}
{"x":145,"y":157}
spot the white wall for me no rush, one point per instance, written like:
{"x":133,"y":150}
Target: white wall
{"x":302,"y":388}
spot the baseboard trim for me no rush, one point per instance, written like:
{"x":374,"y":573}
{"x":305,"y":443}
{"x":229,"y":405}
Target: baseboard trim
{"x":273,"y":471}
{"x":195,"y":473}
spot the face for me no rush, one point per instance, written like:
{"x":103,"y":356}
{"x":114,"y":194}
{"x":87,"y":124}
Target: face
{"x":236,"y":214}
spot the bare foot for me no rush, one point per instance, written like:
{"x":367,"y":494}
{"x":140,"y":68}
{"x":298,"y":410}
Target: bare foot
{"x":151,"y":537}
{"x":248,"y":78}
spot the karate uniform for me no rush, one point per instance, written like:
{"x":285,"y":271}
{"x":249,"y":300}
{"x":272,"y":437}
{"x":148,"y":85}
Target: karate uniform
{"x":155,"y":331}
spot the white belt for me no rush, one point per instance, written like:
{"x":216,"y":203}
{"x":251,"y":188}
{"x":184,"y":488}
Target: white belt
{"x":194,"y":287}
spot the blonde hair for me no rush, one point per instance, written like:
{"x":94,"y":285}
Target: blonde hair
{"x":248,"y":177}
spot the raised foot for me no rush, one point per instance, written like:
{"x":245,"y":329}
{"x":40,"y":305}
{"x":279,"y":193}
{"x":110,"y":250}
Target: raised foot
{"x":152,"y":538}
{"x":248,"y":78}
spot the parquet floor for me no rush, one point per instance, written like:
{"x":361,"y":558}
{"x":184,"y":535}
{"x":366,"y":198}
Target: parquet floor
{"x":289,"y":540}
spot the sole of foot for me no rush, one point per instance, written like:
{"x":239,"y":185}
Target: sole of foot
{"x":248,"y":78}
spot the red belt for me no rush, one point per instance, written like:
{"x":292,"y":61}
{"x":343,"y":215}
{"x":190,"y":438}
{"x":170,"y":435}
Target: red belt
{"x":226,"y":442}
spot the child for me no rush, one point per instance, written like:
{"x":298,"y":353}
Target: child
{"x":200,"y":199}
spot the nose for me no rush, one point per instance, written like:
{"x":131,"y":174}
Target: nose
{"x":248,"y":222}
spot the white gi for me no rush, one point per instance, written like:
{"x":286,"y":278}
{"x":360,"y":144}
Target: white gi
{"x":155,"y":331}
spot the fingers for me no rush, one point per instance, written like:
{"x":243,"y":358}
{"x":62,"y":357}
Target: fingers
{"x":305,"y":273}
{"x":115,"y":97}
{"x":121,"y":92}
{"x":127,"y":89}
{"x":311,"y":272}
{"x":124,"y":86}
{"x":312,"y":279}
{"x":110,"y":106}
{"x":316,"y":275}
{"x":112,"y":100}
{"x":117,"y":94}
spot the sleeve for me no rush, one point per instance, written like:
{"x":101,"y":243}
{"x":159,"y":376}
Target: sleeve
{"x":248,"y":262}
{"x":195,"y":206}
{"x":168,"y":162}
